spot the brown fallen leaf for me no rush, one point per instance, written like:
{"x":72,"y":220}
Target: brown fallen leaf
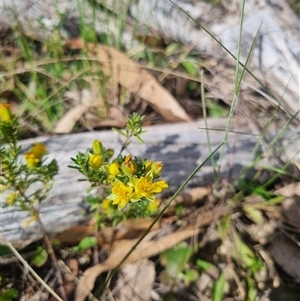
{"x":289,"y":190}
{"x":134,"y":78}
{"x":67,"y":122}
{"x":286,"y":253}
{"x":135,"y":281}
{"x":144,"y":250}
{"x":291,"y":212}
{"x":116,"y":118}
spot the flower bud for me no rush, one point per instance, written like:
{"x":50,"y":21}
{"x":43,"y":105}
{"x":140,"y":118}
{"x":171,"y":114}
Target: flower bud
{"x":95,"y":161}
{"x":5,"y":113}
{"x":97,"y":147}
{"x":129,"y":167}
{"x":113,"y":168}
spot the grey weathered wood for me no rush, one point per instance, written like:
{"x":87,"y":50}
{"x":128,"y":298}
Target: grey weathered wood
{"x":180,"y":146}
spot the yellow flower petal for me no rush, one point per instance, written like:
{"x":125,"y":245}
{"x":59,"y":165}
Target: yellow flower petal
{"x":144,"y":187}
{"x":31,"y":160}
{"x":114,"y":168}
{"x":121,"y":194}
{"x":38,"y":150}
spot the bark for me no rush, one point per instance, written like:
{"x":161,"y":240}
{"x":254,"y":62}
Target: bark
{"x":274,"y":61}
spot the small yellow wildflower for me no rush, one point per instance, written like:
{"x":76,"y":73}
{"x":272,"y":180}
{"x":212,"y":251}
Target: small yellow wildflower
{"x":106,"y":204}
{"x":108,"y":207}
{"x":38,"y":150}
{"x":144,"y":187}
{"x":95,"y":161}
{"x":153,"y":206}
{"x":5,"y":113}
{"x":114,"y":168}
{"x":121,"y":194}
{"x":31,"y":160}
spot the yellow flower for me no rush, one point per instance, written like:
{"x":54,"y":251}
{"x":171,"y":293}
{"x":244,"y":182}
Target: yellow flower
{"x":107,"y":207}
{"x":144,"y":187}
{"x":153,"y":169}
{"x":38,"y":150}
{"x":113,"y":168}
{"x":106,"y":204}
{"x":121,"y":194}
{"x":95,"y":161}
{"x":5,"y":113}
{"x":31,"y":160}
{"x":153,"y":206}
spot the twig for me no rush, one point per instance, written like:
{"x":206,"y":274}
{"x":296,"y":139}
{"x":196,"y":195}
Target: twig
{"x":53,"y":258}
{"x":29,"y":268}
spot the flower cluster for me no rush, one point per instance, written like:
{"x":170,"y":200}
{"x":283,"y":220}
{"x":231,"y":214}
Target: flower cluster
{"x":16,"y":177}
{"x":34,"y":156}
{"x":131,"y":179}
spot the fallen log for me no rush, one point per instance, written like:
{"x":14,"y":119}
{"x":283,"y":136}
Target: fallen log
{"x":181,"y":147}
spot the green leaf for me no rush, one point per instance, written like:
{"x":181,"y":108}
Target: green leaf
{"x":218,"y":288}
{"x":190,"y":67}
{"x":4,"y":250}
{"x":203,"y":265}
{"x":86,"y":243}
{"x":262,"y":192}
{"x":40,"y":257}
{"x":215,"y":109}
{"x":175,"y":259}
{"x":9,"y":295}
{"x":172,"y":48}
{"x":190,"y":276}
{"x":245,"y":255}
{"x":139,"y":139}
{"x":251,"y":289}
{"x":255,"y":215}
{"x":119,"y":132}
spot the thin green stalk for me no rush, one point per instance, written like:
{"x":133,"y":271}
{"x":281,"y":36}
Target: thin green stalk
{"x":213,"y":162}
{"x":237,"y":84}
{"x":228,"y":51}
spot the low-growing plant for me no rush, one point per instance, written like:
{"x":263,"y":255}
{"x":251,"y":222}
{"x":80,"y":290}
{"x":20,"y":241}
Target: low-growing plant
{"x":125,"y":183}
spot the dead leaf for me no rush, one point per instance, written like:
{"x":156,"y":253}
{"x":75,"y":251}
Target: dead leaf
{"x":116,"y":119}
{"x":289,"y":190}
{"x":134,"y":78}
{"x":144,"y":250}
{"x":291,"y":212}
{"x":67,"y":122}
{"x":84,"y":100}
{"x":286,"y":253}
{"x":135,"y":281}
